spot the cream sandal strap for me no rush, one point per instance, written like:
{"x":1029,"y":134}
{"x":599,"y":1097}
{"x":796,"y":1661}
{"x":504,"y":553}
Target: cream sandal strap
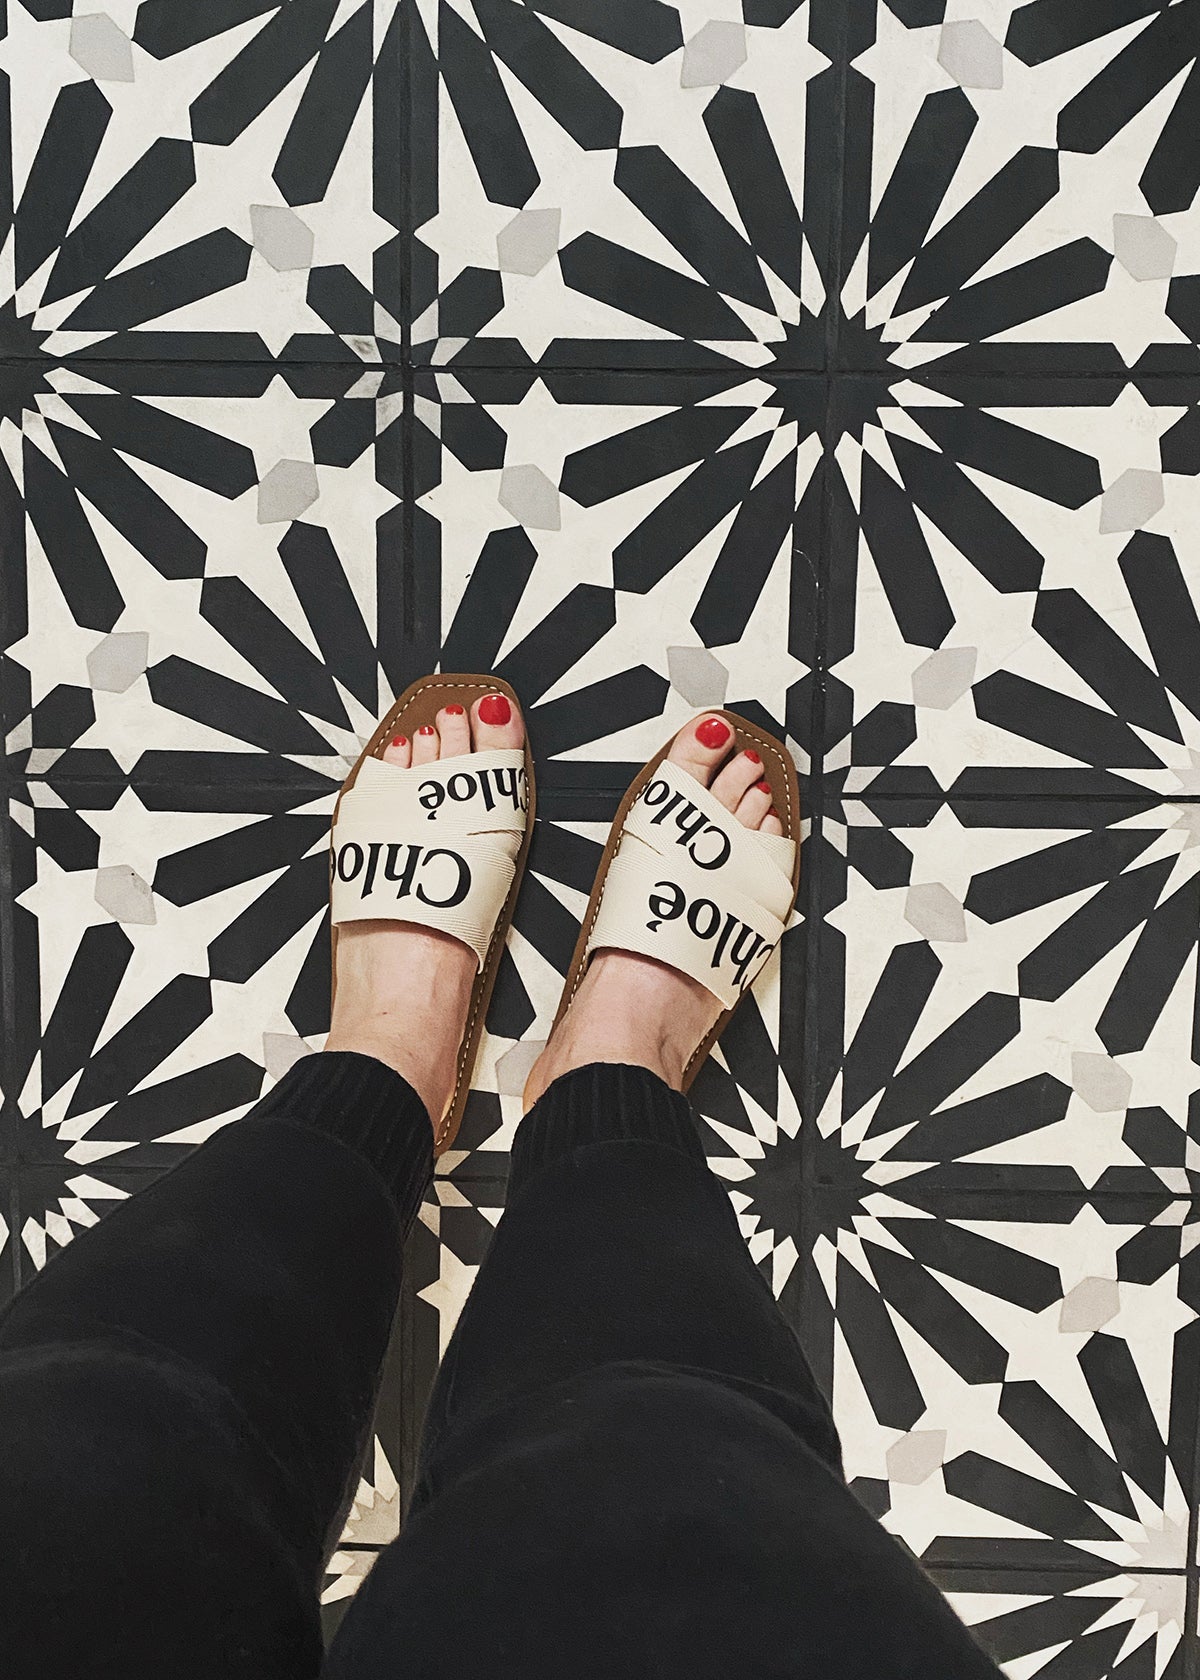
{"x":435,"y":845}
{"x":473,"y":793}
{"x":674,"y":815}
{"x":714,"y":934}
{"x":695,"y":888}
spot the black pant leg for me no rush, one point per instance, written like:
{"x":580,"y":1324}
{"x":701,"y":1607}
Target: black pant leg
{"x":628,"y":1468}
{"x":186,"y":1390}
{"x":618,"y":1243}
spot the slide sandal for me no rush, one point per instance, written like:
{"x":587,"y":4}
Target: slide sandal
{"x":683,"y":881}
{"x":441,"y":844}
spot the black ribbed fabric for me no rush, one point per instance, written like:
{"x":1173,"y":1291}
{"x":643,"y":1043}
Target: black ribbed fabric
{"x":368,"y":1106}
{"x":627,"y":1466}
{"x":607,"y":1102}
{"x":186,"y":1391}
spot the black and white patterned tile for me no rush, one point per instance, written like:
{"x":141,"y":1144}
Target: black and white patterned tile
{"x":833,"y":360}
{"x":1014,"y":1377}
{"x":204,"y":564}
{"x":620,"y":186}
{"x":201,"y":182}
{"x":624,"y":548}
{"x":174,"y":962}
{"x":1095,"y":1626}
{"x":1013,"y":588}
{"x":1020,"y":192}
{"x":1008,"y":999}
{"x":1003,"y":1295}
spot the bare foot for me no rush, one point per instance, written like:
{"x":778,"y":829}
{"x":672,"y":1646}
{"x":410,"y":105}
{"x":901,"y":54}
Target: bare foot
{"x":630,"y":1008}
{"x":403,"y":991}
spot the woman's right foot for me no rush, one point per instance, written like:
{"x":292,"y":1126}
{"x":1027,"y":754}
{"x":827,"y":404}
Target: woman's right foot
{"x":630,"y":1008}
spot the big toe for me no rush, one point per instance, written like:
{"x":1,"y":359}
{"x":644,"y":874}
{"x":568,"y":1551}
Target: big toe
{"x":496,"y":721}
{"x":702,"y":746}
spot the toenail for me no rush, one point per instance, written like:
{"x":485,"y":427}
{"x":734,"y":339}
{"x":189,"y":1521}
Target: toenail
{"x":753,"y":756}
{"x":495,"y":709}
{"x":399,"y":740}
{"x":454,"y":711}
{"x":427,"y":729}
{"x":712,"y":733}
{"x":763,"y":787}
{"x":774,"y":813}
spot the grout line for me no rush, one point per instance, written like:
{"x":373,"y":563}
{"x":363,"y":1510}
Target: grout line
{"x":810,"y":1088}
{"x":408,"y":563}
{"x":919,"y":375}
{"x":407,"y":232}
{"x":1068,"y":1571}
{"x":1191,"y":1640}
{"x":408,"y":559}
{"x":1026,"y":1198}
{"x":1030,"y":796}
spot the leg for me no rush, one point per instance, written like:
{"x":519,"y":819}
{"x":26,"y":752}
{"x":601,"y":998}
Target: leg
{"x":618,"y":1244}
{"x":627,"y":1466}
{"x":185,"y":1391}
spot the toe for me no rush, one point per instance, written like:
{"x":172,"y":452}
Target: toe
{"x":398,"y":751}
{"x":496,"y":722}
{"x":701,"y":746}
{"x":741,"y":773}
{"x":425,"y":744}
{"x":454,"y":730}
{"x":771,"y":823}
{"x":753,"y":806}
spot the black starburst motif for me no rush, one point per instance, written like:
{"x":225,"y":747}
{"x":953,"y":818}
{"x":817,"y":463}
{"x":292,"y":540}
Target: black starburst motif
{"x":23,"y":374}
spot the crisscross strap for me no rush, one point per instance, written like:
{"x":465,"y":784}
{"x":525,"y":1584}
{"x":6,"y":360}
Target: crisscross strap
{"x":436,"y":844}
{"x":695,"y":888}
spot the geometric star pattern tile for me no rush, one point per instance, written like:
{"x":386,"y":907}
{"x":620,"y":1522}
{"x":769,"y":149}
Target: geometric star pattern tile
{"x":619,"y":186}
{"x":1095,"y":1624}
{"x":1041,"y":1039}
{"x":1014,"y":1380}
{"x":583,"y":527}
{"x":1014,"y":588}
{"x":834,"y":360}
{"x":201,"y":183}
{"x":205,"y":566}
{"x":1024,"y":201}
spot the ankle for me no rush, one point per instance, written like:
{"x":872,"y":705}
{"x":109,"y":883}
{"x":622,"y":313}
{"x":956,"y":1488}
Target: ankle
{"x":407,"y":1013}
{"x":401,"y":1060}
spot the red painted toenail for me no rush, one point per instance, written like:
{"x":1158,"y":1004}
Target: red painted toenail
{"x":399,"y":740}
{"x":774,"y":813}
{"x":427,"y":729}
{"x":753,"y":756}
{"x":454,"y":711}
{"x":495,"y":710}
{"x":763,"y":787}
{"x":712,"y":733}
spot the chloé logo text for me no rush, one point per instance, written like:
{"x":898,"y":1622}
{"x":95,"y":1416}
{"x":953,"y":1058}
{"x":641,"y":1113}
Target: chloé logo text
{"x":433,"y":874}
{"x":729,"y":935}
{"x":494,"y":787}
{"x":707,"y":845}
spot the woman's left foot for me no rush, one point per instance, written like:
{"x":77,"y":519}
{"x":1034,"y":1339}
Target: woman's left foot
{"x":630,"y":1008}
{"x":403,"y":991}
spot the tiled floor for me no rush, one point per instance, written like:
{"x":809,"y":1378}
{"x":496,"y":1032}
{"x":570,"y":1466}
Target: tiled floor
{"x":834,"y":359}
